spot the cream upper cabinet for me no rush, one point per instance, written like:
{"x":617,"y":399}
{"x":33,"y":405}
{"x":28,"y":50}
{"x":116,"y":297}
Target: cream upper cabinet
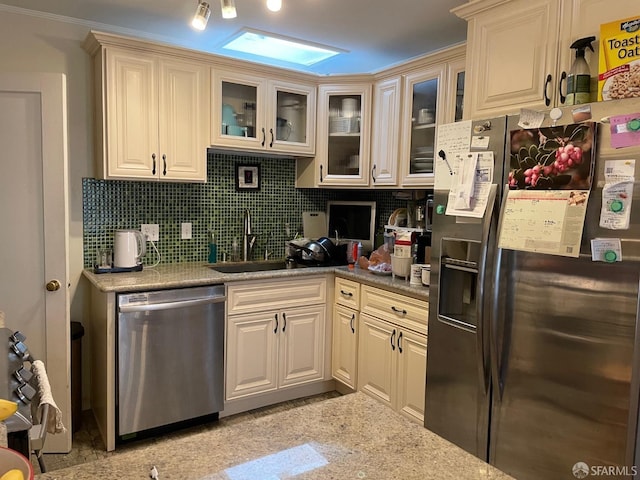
{"x":424,"y":109}
{"x":257,"y":113}
{"x":518,"y":53}
{"x":385,"y":140}
{"x":344,"y":119}
{"x":153,"y":116}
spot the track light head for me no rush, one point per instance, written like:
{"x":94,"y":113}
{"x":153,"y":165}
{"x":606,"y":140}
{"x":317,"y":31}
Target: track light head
{"x":228,"y":9}
{"x":201,"y":17}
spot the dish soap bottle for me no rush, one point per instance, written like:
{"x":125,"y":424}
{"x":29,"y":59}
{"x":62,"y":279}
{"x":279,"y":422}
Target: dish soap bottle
{"x":579,"y":78}
{"x":213,"y":248}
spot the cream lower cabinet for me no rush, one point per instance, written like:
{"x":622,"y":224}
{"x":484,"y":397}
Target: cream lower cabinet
{"x":344,"y":353}
{"x":392,"y":350}
{"x":275,"y":336}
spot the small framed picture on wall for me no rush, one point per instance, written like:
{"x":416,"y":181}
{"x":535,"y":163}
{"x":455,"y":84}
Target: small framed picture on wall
{"x":247,"y":177}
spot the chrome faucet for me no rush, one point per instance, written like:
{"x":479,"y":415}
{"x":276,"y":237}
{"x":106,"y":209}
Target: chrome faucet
{"x":248,"y":239}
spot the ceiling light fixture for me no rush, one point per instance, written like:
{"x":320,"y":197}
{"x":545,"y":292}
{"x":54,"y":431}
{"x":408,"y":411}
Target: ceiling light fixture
{"x":274,"y":5}
{"x":228,"y":9}
{"x":201,"y":17}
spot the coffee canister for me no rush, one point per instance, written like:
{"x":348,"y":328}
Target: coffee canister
{"x":416,"y":274}
{"x":426,"y":275}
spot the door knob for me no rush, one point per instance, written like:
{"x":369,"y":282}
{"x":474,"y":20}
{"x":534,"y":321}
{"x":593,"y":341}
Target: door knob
{"x":53,"y":285}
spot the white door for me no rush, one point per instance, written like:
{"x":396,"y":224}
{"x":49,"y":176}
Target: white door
{"x":33,"y":215}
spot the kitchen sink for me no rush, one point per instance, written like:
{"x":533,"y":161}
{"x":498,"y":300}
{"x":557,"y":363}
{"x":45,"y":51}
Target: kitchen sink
{"x":244,"y":267}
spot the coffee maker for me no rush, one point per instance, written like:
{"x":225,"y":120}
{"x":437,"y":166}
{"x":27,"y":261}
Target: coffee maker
{"x":423,"y":241}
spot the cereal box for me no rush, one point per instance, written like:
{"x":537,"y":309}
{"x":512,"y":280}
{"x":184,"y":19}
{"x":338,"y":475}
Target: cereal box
{"x":619,"y":63}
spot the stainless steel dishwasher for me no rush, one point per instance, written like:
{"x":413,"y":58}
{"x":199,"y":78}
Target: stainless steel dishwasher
{"x":170,"y":355}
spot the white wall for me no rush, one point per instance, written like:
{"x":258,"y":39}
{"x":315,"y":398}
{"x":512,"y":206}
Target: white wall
{"x":29,"y":44}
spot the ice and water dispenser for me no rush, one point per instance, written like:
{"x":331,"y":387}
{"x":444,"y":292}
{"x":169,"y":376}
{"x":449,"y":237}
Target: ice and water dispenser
{"x":459,"y":268}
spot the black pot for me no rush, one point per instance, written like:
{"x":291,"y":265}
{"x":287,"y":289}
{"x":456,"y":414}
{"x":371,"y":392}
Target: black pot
{"x":320,"y":251}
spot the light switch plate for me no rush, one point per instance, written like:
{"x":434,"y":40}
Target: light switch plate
{"x":186,"y":231}
{"x":151,"y":231}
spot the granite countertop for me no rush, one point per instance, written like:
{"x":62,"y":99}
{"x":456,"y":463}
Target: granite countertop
{"x":348,"y":437}
{"x":196,"y":274}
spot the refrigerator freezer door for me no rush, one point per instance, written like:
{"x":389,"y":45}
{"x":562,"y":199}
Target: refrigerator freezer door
{"x":566,"y":350}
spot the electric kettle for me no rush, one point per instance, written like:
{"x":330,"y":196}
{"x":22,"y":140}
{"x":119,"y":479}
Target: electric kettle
{"x":129,"y":246}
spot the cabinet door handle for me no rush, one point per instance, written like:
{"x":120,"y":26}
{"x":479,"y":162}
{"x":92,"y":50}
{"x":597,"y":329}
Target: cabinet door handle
{"x":275,"y":330}
{"x":397,"y":310}
{"x":164,"y":164}
{"x":563,"y":77}
{"x":393,"y":345}
{"x":153,"y":157}
{"x":399,"y":342}
{"x":320,"y":173}
{"x":264,"y":136}
{"x":284,"y":320}
{"x":547,"y":100}
{"x":271,"y":132}
{"x":373,"y":174}
{"x":346,"y":294}
{"x":353,"y":317}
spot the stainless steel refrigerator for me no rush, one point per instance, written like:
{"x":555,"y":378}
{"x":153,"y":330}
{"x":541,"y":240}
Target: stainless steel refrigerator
{"x":533,"y":359}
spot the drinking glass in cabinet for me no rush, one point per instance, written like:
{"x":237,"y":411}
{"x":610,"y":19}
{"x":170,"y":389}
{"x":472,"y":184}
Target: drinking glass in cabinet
{"x":238,"y":110}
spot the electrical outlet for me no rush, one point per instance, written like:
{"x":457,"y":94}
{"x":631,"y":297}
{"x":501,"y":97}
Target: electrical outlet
{"x":186,"y":231}
{"x":151,"y":231}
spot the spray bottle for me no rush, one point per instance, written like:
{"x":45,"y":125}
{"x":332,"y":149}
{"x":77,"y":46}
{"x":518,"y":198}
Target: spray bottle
{"x":579,"y":78}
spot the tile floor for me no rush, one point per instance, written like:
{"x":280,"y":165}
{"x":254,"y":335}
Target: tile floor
{"x":87,"y":445}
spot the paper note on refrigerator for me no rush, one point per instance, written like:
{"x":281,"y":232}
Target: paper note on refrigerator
{"x":452,"y":139}
{"x":544,"y":221}
{"x":482,"y":164}
{"x":617,"y":194}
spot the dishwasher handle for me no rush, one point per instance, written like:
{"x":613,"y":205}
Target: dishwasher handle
{"x":170,"y":305}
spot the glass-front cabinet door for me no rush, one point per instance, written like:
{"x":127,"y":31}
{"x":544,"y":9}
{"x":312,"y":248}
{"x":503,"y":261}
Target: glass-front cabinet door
{"x":291,"y":117}
{"x":424,"y":110}
{"x":343,"y":135}
{"x":238,"y":113}
{"x":253,"y":113}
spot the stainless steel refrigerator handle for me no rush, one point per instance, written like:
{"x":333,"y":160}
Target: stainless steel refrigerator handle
{"x":482,"y":266}
{"x":495,"y":300}
{"x":170,"y":305}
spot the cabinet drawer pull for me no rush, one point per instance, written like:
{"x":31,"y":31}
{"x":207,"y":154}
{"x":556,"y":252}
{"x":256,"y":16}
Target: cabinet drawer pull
{"x":397,"y":310}
{"x":399,"y":342}
{"x":271,"y":132}
{"x":284,"y":321}
{"x":373,"y":173}
{"x":393,"y":345}
{"x":547,"y":100}
{"x":346,"y":294}
{"x":264,"y":136}
{"x":164,"y":164}
{"x":153,"y":157}
{"x":353,"y":317}
{"x":275,"y":330}
{"x":320,"y":173}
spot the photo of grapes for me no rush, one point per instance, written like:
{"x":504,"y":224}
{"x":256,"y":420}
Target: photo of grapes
{"x":552,"y":158}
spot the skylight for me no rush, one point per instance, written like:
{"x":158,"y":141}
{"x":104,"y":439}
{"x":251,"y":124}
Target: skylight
{"x":279,"y":48}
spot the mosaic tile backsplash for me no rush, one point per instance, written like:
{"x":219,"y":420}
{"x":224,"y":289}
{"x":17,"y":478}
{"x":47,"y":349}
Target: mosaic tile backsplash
{"x":109,"y":205}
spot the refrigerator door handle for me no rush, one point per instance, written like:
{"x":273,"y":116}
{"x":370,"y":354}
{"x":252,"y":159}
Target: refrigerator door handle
{"x":496,"y":376}
{"x":481,"y":349}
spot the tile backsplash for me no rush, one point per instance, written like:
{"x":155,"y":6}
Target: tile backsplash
{"x":216,"y":205}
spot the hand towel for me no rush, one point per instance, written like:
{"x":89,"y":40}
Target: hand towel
{"x":44,"y":396}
